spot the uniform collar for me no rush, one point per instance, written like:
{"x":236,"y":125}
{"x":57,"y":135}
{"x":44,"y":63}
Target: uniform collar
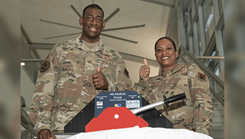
{"x":80,"y":45}
{"x":176,"y":68}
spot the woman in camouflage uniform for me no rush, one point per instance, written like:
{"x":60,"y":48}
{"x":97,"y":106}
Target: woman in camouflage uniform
{"x":196,"y":111}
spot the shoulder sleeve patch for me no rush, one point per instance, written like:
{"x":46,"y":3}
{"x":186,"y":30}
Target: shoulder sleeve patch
{"x":45,"y":66}
{"x":201,"y":77}
{"x":198,"y":78}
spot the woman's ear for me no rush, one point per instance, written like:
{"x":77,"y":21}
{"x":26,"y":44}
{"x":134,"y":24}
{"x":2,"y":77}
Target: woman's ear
{"x":81,"y":21}
{"x":176,"y":53}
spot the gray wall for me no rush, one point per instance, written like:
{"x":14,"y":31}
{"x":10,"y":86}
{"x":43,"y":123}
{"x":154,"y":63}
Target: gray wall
{"x":10,"y":69}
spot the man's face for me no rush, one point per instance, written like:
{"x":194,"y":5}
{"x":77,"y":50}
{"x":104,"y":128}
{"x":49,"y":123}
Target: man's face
{"x":166,"y":54}
{"x":93,"y":24}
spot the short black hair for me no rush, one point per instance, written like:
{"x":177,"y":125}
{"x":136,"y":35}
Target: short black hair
{"x":167,"y":39}
{"x":93,"y":6}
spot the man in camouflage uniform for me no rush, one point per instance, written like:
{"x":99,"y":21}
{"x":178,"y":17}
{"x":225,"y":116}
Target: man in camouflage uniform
{"x":74,"y":72}
{"x":196,"y":111}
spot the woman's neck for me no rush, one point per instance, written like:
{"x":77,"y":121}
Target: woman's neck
{"x":165,"y":69}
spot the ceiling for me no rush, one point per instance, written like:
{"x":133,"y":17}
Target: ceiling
{"x":153,"y":13}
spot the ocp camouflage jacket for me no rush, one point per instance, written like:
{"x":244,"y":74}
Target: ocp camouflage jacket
{"x":196,"y":111}
{"x":64,"y":85}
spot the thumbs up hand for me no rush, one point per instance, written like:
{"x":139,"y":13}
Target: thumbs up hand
{"x":99,"y":80}
{"x":144,"y":71}
{"x":98,"y":69}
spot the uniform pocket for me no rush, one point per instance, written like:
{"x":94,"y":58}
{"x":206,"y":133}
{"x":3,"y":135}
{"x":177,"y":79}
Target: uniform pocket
{"x":68,"y":69}
{"x":109,"y":69}
{"x":77,"y":62}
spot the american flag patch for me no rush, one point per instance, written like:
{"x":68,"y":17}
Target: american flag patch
{"x":99,"y":103}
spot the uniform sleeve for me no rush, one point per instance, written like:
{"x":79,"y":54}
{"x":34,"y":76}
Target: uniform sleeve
{"x":122,"y":80}
{"x":142,"y":88}
{"x":200,"y":95}
{"x":41,"y":106}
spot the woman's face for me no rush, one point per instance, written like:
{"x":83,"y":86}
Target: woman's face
{"x":166,"y":54}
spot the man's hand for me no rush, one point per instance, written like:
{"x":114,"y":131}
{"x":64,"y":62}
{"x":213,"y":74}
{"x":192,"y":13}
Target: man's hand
{"x":44,"y":134}
{"x":144,"y":71}
{"x":99,"y":80}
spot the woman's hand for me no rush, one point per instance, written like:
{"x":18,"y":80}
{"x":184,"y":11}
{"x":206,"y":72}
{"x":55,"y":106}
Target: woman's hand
{"x":144,"y":71}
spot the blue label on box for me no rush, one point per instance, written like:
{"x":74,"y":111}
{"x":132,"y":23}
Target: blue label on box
{"x":129,"y":99}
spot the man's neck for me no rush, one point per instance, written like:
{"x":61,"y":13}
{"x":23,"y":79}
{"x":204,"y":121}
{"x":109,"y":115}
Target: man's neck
{"x":89,"y":45}
{"x":89,"y":40}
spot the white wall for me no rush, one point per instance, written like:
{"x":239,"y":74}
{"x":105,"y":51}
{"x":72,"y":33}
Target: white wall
{"x":27,"y":88}
{"x":220,"y":91}
{"x":10,"y":69}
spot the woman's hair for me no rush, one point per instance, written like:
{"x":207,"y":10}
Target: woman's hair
{"x":167,"y":39}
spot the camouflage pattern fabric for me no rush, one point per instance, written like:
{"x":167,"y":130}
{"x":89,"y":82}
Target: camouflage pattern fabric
{"x":64,"y":85}
{"x":194,"y":113}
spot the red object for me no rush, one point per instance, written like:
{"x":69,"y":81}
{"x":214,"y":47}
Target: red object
{"x":114,"y":118}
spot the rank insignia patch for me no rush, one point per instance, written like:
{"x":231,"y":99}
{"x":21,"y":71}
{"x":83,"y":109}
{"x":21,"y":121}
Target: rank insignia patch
{"x":201,"y":77}
{"x":45,"y":66}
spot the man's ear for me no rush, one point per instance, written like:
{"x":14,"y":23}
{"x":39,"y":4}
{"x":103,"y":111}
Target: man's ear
{"x":176,"y":53}
{"x":103,"y":24}
{"x":81,"y":21}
